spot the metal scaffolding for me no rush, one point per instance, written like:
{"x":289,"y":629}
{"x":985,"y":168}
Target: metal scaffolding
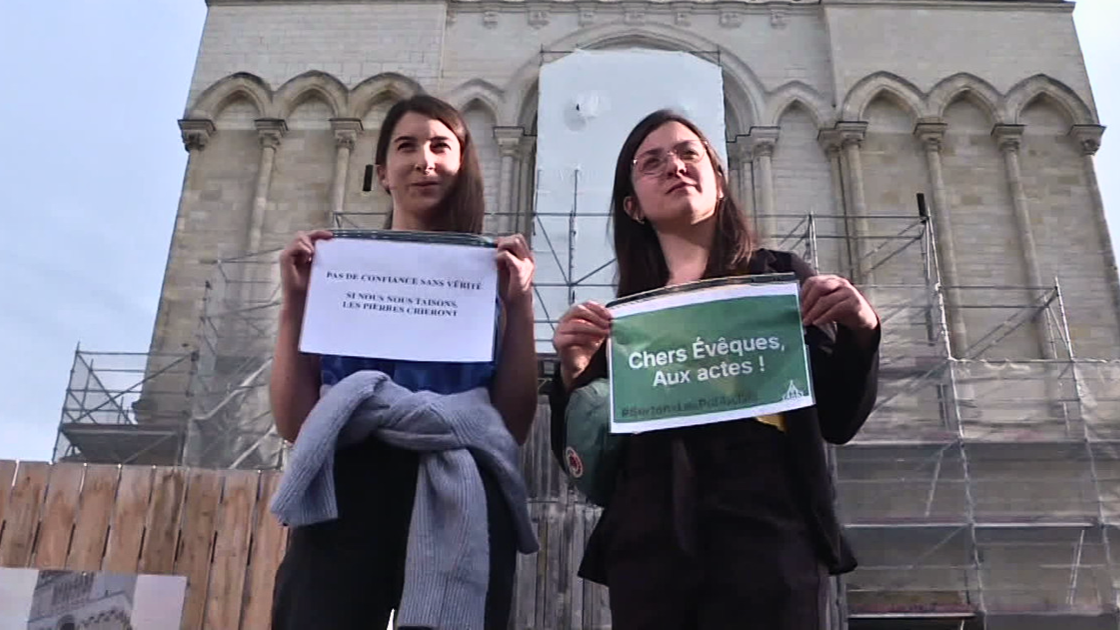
{"x":104,"y":418}
{"x":230,"y":422}
{"x":984,"y":491}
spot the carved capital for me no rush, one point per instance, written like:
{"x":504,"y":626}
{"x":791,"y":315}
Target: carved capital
{"x":762,"y":141}
{"x":851,"y":133}
{"x":1088,"y":138}
{"x":1008,"y":137}
{"x":634,"y":14}
{"x":586,"y":17}
{"x":931,"y":131}
{"x":778,"y":18}
{"x":509,"y":140}
{"x":490,"y":19}
{"x":270,"y":131}
{"x":538,"y":18}
{"x":528,"y":144}
{"x":346,"y":131}
{"x":683,"y":17}
{"x":196,"y":133}
{"x":740,"y":149}
{"x":830,"y":141}
{"x":729,"y":18}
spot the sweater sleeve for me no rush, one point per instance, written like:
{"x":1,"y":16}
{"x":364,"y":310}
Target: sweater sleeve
{"x":558,"y":396}
{"x":845,"y":375}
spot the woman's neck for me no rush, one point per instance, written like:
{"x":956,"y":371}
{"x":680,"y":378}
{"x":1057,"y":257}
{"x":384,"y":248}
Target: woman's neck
{"x":686,"y":250}
{"x":407,"y":221}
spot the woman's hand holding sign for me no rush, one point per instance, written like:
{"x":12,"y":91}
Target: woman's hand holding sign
{"x":514,"y":391}
{"x":515,"y":270}
{"x":581,"y":332}
{"x":826,"y":299}
{"x":295,"y":263}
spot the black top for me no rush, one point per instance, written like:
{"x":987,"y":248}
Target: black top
{"x":845,"y":385}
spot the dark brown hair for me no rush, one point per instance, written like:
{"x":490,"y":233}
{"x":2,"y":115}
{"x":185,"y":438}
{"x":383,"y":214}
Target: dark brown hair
{"x":464,"y":206}
{"x":641,"y":263}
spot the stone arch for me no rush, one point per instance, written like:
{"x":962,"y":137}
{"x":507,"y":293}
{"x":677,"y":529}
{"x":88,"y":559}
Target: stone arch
{"x":240,"y":85}
{"x":1029,"y":90}
{"x":798,"y":93}
{"x":862,"y":94}
{"x":965,"y":85}
{"x":479,"y":91}
{"x":309,"y":84}
{"x":368,"y":92}
{"x":742,"y":88}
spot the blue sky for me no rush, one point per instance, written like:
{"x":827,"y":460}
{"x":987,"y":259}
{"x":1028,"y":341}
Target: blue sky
{"x":91,"y":167}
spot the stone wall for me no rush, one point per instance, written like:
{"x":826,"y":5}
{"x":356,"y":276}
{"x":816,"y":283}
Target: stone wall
{"x":823,"y":101}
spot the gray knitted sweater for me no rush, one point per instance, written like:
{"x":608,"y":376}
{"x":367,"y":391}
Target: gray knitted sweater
{"x":447,"y":566}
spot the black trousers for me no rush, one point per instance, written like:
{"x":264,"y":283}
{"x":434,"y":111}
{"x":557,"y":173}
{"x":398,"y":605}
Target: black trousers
{"x":348,"y":574}
{"x":753,"y":565}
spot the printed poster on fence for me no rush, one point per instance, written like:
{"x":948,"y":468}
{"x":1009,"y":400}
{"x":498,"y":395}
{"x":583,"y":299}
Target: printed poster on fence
{"x":708,"y":352}
{"x":418,"y":298}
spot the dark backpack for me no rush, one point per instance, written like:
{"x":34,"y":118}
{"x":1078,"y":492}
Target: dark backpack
{"x":590,"y":451}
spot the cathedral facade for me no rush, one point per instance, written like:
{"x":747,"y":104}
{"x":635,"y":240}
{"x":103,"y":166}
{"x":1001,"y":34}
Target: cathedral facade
{"x":840,"y":114}
{"x":837,"y":108}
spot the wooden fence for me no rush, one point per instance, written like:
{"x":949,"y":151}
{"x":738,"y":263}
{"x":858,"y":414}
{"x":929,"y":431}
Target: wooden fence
{"x":212,"y":526}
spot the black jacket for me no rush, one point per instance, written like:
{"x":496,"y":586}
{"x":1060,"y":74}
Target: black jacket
{"x":845,"y":379}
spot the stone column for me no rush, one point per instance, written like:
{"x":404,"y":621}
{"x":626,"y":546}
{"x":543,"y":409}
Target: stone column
{"x":1088,"y":138}
{"x":346,"y":132}
{"x":829,"y":139}
{"x":1010,"y":140}
{"x":931,"y":132}
{"x":852,"y":135}
{"x":269,"y":131}
{"x":762,"y":143}
{"x":509,"y":147}
{"x":734,"y":183}
{"x":196,"y":134}
{"x":526,"y":188}
{"x":260,"y":285}
{"x":745,"y":170}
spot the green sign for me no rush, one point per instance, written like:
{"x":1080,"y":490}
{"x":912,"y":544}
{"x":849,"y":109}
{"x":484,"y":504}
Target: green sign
{"x":708,"y":352}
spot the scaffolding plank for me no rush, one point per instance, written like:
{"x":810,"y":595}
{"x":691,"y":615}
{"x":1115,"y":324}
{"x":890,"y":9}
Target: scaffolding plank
{"x":21,"y":520}
{"x":196,"y":539}
{"x":526,"y":578}
{"x":126,"y":527}
{"x":268,"y":544}
{"x":59,"y":513}
{"x":231,"y":550}
{"x":91,"y":530}
{"x":7,"y":474}
{"x":556,"y":538}
{"x":573,"y":554}
{"x":161,"y":524}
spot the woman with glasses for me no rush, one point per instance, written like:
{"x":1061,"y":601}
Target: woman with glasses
{"x":726,"y":525}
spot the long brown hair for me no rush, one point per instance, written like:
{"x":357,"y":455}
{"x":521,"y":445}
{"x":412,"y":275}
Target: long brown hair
{"x":463,"y":207}
{"x":641,"y":263}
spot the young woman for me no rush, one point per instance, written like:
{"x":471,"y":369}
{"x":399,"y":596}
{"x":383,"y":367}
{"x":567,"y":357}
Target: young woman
{"x":728,"y":525}
{"x":349,"y":573}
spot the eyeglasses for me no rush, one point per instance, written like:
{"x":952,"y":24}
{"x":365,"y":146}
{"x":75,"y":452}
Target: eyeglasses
{"x":654,"y":162}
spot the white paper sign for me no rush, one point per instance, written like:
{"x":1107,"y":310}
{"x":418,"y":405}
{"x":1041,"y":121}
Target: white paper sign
{"x":401,"y":300}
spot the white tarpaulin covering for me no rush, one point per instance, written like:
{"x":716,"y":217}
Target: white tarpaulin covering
{"x":589,"y":101}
